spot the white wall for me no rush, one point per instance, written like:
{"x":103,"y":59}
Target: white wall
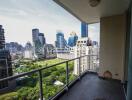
{"x":112,"y":45}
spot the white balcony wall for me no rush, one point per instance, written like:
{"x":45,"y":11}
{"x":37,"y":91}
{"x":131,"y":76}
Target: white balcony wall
{"x":112,"y":45}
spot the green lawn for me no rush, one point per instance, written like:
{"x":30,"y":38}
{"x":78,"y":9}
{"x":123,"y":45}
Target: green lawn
{"x":48,"y":62}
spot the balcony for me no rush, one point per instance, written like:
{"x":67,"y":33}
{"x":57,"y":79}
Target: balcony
{"x":84,"y":86}
{"x":91,"y":87}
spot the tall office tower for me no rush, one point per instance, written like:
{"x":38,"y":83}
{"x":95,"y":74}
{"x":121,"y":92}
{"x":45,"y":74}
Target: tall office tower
{"x":35,"y":34}
{"x":84,"y":29}
{"x":60,"y":40}
{"x":72,"y":39}
{"x":83,"y":48}
{"x":5,"y":65}
{"x":42,"y":38}
{"x":38,"y":43}
{"x":2,"y":38}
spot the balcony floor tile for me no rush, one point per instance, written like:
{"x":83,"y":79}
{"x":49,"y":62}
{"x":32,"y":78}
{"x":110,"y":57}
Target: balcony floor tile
{"x":91,"y":87}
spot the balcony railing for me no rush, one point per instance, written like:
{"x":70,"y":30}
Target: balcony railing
{"x":68,"y":83}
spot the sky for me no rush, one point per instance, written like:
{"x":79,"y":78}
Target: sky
{"x":19,"y":17}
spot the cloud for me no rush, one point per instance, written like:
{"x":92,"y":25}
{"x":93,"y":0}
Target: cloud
{"x":19,"y":17}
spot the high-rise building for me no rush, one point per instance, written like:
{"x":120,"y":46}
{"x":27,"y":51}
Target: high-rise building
{"x":28,"y":52}
{"x":72,"y":39}
{"x":50,"y":51}
{"x":84,"y":29}
{"x":35,"y":34}
{"x":38,"y":43}
{"x":42,"y":38}
{"x":86,"y":63}
{"x":5,"y":64}
{"x":14,"y":47}
{"x":16,"y":50}
{"x":2,"y":38}
{"x":28,"y":46}
{"x":60,"y":40}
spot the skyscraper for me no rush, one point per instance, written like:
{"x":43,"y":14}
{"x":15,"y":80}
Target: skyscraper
{"x":84,"y":29}
{"x":72,"y":39}
{"x":42,"y":38}
{"x":38,"y":43}
{"x":35,"y":34}
{"x":5,"y":64}
{"x":82,"y":48}
{"x":2,"y":38}
{"x":60,"y":40}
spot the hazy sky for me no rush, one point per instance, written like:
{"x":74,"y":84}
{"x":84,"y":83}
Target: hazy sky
{"x":19,"y":17}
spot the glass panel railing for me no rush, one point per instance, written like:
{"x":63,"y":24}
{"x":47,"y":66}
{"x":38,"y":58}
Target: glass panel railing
{"x":93,"y":63}
{"x":26,"y":89}
{"x":48,"y":79}
{"x":72,"y":75}
{"x":54,"y":79}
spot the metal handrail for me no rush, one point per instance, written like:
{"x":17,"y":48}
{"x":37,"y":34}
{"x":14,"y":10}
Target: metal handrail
{"x":36,"y":70}
{"x":40,"y":73}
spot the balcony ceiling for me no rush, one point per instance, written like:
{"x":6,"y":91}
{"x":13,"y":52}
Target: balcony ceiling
{"x":84,"y":12}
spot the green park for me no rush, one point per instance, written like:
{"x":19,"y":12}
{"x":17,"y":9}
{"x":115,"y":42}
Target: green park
{"x":27,"y":87}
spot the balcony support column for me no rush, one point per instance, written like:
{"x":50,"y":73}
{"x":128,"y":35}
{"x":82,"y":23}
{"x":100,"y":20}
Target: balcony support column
{"x":129,"y":87}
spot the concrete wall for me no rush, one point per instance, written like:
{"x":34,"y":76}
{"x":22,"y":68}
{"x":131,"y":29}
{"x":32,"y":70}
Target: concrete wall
{"x":112,"y":45}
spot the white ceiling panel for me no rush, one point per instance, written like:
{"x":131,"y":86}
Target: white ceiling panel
{"x":84,"y":12}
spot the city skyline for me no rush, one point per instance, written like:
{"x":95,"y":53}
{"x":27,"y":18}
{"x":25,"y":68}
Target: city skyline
{"x":19,"y":19}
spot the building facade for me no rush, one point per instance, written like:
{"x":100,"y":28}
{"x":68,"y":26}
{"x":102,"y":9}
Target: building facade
{"x":5,"y":65}
{"x":2,"y":38}
{"x":72,"y":39}
{"x":42,"y":38}
{"x":38,"y":43}
{"x":14,"y":47}
{"x":84,"y":29}
{"x":60,"y":40}
{"x":86,"y":63}
{"x":16,"y":50}
{"x":50,"y":51}
{"x":28,"y":52}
